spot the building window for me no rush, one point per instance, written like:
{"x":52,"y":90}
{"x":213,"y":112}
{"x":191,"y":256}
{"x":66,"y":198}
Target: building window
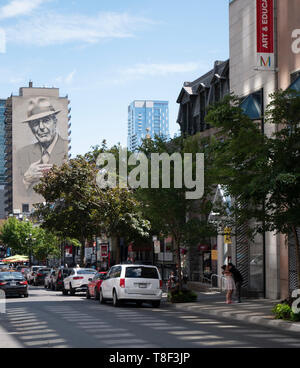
{"x":25,"y":208}
{"x":295,"y":76}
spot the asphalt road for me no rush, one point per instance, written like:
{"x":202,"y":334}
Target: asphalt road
{"x":49,"y":319}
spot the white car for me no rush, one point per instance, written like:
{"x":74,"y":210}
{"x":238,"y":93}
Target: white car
{"x":48,"y":279}
{"x":30,"y":275}
{"x":126,"y":283}
{"x":78,"y":280}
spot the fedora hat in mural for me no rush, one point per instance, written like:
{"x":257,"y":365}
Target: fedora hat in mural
{"x":39,"y":108}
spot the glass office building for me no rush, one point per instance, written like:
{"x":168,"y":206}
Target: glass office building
{"x":147,"y":119}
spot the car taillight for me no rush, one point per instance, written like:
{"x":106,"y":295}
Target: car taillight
{"x":3,"y":283}
{"x":39,"y":274}
{"x":122,"y":283}
{"x":77,"y":278}
{"x":23,"y":283}
{"x":161,"y":284}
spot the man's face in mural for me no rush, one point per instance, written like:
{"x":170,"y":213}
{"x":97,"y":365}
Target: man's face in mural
{"x":44,"y":129}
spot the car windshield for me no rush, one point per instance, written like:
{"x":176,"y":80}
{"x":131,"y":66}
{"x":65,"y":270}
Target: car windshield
{"x":101,"y":276}
{"x":44,"y":270}
{"x":6,"y":276}
{"x":66,"y":271}
{"x":86,"y":271}
{"x":141,"y":272}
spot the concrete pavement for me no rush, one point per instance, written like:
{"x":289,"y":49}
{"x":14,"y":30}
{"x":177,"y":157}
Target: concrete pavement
{"x":256,"y":311}
{"x":48,"y":319}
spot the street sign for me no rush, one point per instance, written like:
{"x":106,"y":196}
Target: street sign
{"x":157,"y":247}
{"x":227,"y":235}
{"x":104,"y":250}
{"x":214,"y":255}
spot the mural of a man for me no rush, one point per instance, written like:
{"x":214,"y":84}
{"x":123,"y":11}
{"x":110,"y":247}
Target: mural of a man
{"x":50,"y":148}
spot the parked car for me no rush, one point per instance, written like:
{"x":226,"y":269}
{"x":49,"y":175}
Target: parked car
{"x":78,"y":280}
{"x":126,"y":283}
{"x":58,"y":278}
{"x":3,"y":266}
{"x":94,"y":285}
{"x":49,"y":279}
{"x":39,"y":277}
{"x":13,"y":283}
{"x":23,"y":269}
{"x":30,"y":275}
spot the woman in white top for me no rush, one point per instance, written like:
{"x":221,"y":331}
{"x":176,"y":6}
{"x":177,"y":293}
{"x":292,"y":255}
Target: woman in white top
{"x":230,"y":284}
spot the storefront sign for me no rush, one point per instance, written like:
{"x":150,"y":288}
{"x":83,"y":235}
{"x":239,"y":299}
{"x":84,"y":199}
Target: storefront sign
{"x":227,"y":235}
{"x":104,"y":250}
{"x":214,"y":255}
{"x":265,"y":34}
{"x":157,"y":247}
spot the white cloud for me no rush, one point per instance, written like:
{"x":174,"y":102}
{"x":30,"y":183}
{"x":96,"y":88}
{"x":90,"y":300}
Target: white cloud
{"x":70,"y":77}
{"x":66,"y":80}
{"x":160,"y":69}
{"x":52,"y":28}
{"x":19,"y":7}
{"x":139,"y":71}
{"x":2,"y":41}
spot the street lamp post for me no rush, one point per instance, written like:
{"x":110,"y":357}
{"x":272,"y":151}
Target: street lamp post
{"x":30,"y":240}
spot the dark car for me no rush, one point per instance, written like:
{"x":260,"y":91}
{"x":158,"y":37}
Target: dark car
{"x":13,"y":283}
{"x":39,"y":277}
{"x":58,"y":278}
{"x":94,"y":285}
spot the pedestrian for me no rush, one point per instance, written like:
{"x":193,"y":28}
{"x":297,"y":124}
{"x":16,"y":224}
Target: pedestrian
{"x":238,"y":279}
{"x":230,"y":284}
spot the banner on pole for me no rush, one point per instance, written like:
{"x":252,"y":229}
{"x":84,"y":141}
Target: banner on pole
{"x":265,"y":34}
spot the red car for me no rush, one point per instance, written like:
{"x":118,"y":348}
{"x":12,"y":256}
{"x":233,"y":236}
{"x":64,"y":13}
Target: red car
{"x":93,"y":290}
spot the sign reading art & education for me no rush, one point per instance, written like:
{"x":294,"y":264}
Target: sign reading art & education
{"x":265,"y":34}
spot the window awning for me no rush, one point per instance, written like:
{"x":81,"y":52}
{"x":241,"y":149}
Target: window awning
{"x":295,"y":85}
{"x":252,"y":106}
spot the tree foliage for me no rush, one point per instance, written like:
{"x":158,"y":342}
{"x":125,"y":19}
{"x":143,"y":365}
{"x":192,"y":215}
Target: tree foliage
{"x":261,"y":174}
{"x":24,"y":238}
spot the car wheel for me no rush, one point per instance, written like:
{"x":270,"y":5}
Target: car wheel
{"x":156,"y":304}
{"x":25,"y":295}
{"x":101,"y":299}
{"x":88,"y":295}
{"x":116,"y":302}
{"x":96,"y":294}
{"x":72,"y":291}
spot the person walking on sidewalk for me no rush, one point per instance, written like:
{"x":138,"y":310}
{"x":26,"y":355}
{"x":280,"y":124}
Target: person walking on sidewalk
{"x":238,"y":279}
{"x":230,"y":284}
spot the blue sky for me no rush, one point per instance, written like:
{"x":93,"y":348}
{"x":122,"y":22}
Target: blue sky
{"x":106,"y":53}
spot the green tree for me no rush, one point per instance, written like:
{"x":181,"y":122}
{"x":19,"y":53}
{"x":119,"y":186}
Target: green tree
{"x":261,"y":174}
{"x":77,"y":207}
{"x":168,"y":210}
{"x":25,"y":238}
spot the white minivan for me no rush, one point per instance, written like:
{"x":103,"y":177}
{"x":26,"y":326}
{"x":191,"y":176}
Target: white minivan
{"x":130,"y":282}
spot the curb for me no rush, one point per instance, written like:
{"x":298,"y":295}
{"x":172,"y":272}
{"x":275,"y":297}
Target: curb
{"x":243,"y":317}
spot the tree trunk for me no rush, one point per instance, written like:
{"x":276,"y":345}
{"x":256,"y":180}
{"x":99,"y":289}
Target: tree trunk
{"x":82,"y":252}
{"x":178,"y":256}
{"x":297,"y":254}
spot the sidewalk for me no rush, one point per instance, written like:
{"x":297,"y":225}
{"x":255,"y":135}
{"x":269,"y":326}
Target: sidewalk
{"x":256,"y":311}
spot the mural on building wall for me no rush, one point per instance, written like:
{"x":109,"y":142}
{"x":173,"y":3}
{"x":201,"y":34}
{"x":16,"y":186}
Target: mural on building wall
{"x":40,"y":141}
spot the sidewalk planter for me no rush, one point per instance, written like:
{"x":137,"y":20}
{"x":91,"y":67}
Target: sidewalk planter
{"x":284,"y":311}
{"x":184,"y":296}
